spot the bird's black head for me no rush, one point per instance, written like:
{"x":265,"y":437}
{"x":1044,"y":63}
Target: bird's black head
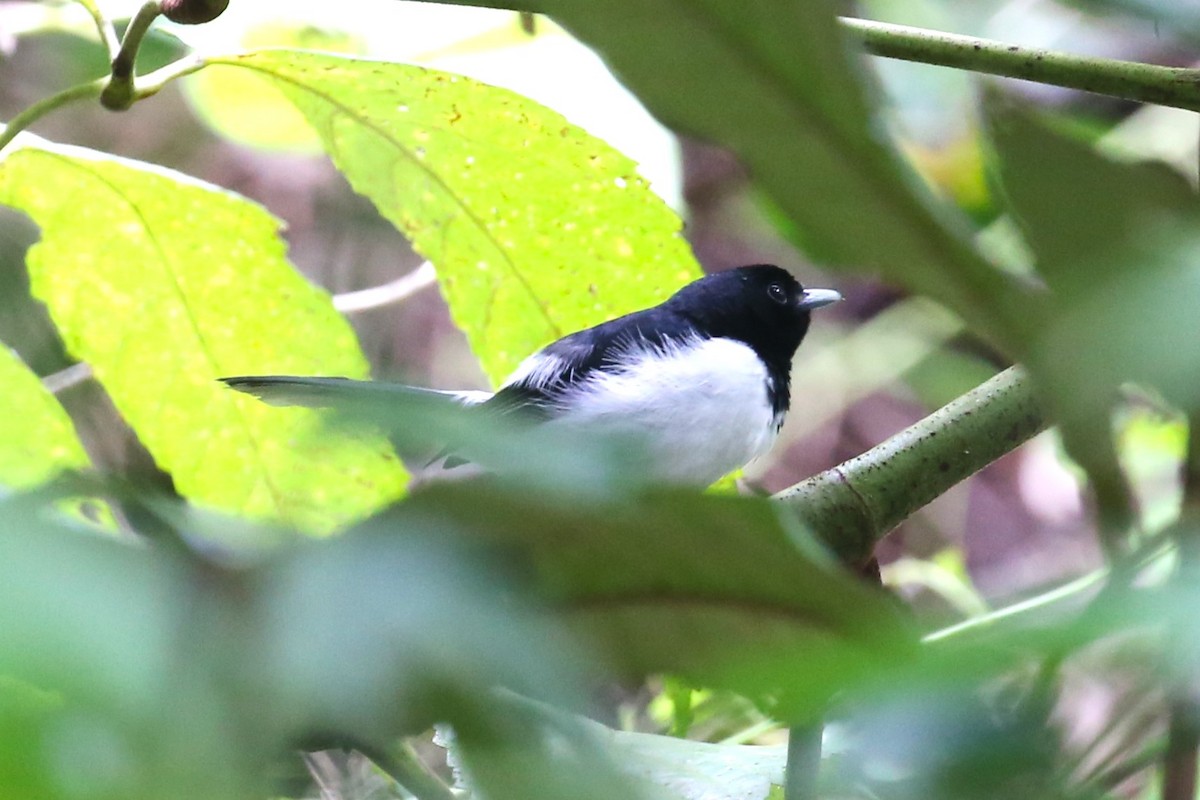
{"x":763,"y":306}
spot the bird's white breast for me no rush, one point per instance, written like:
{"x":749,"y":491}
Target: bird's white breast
{"x":700,"y":408}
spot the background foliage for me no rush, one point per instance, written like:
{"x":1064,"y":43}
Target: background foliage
{"x":169,"y":623}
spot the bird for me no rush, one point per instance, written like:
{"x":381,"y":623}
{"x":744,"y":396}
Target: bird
{"x":702,"y":381}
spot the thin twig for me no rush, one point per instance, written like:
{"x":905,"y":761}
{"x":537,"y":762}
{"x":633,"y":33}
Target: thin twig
{"x":404,"y":766}
{"x":395,"y":291}
{"x":1061,"y":594}
{"x":66,"y":378}
{"x":104,"y":27}
{"x":1131,"y":80}
{"x":41,"y":108}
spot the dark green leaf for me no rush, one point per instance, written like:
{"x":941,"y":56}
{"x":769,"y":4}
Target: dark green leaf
{"x":725,"y":591}
{"x":1117,"y":242}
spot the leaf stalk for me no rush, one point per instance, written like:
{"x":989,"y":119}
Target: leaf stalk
{"x":119,"y":94}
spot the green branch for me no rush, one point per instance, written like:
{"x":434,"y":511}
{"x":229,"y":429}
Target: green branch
{"x":119,"y":94}
{"x":853,"y":505}
{"x":401,"y":762}
{"x":801,"y":773}
{"x":1130,"y":80}
{"x":44,"y":106}
{"x":149,"y":85}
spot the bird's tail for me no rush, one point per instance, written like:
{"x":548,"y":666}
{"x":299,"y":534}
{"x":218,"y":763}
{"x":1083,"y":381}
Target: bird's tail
{"x":296,"y":390}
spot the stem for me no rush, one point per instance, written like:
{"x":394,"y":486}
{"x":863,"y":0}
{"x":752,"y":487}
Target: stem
{"x":1131,"y":80}
{"x":44,"y":106}
{"x":149,"y":85}
{"x":152,"y":83}
{"x":1059,"y":594}
{"x":402,"y":763}
{"x":104,"y":26}
{"x":853,"y":505}
{"x":803,"y":762}
{"x":119,"y":94}
{"x":392,"y":292}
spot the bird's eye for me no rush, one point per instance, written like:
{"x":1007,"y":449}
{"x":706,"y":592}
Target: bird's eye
{"x":777,"y":293}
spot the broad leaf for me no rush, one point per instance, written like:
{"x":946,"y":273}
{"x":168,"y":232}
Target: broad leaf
{"x":1117,"y":241}
{"x":774,"y":81}
{"x":536,"y":228}
{"x":725,"y":591}
{"x":37,"y":439}
{"x":195,"y":675}
{"x":163,"y":285}
{"x":686,"y":770}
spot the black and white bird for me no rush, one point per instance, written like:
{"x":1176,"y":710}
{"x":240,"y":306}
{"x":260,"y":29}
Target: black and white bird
{"x":702,"y":381}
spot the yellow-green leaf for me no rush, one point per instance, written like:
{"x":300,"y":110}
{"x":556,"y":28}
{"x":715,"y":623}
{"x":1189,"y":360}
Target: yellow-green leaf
{"x":249,"y":110}
{"x":37,"y":439}
{"x":163,"y":285}
{"x":536,"y":228}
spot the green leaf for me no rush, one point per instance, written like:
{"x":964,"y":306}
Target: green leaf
{"x":1117,"y":243}
{"x":181,"y":676}
{"x":37,"y":439}
{"x":163,"y":285}
{"x":536,"y":228}
{"x":774,"y":81}
{"x":689,"y":770}
{"x":247,"y":109}
{"x":724,"y":591}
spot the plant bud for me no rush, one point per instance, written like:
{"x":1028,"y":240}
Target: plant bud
{"x":193,"y":12}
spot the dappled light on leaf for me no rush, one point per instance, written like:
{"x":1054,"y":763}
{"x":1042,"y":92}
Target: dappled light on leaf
{"x":163,"y":285}
{"x":536,"y":228}
{"x":36,"y":436}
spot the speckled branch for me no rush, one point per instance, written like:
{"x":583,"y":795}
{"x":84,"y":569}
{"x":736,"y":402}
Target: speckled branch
{"x":855,"y":504}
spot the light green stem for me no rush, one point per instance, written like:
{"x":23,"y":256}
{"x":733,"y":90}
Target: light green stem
{"x":1130,"y":80}
{"x":1067,"y":591}
{"x":801,"y":774}
{"x":44,"y":106}
{"x":119,"y":94}
{"x":104,"y":26}
{"x":853,"y":505}
{"x":149,"y":85}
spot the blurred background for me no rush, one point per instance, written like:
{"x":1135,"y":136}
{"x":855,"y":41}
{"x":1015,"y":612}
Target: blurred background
{"x":871,"y":366}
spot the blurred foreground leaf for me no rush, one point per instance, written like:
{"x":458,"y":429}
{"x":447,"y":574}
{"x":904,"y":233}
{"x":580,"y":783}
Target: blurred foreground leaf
{"x":724,"y":591}
{"x":536,"y":228}
{"x":36,"y":435}
{"x":163,"y":285}
{"x":162,"y":674}
{"x":773,"y":80}
{"x":683,"y":769}
{"x":1117,"y":242}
